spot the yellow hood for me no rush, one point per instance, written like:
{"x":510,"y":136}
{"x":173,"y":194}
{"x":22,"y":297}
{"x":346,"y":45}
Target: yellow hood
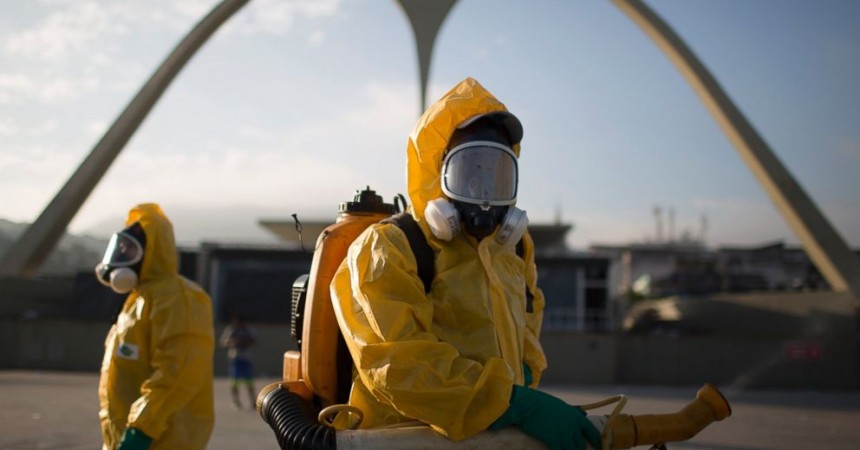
{"x":159,"y":256}
{"x":429,"y":139}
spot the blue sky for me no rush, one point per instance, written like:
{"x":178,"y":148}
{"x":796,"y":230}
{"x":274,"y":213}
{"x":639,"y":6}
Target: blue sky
{"x":295,"y":104}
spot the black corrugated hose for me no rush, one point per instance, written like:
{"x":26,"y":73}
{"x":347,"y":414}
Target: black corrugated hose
{"x":295,"y":423}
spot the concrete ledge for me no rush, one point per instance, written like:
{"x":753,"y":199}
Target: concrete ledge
{"x":824,"y":362}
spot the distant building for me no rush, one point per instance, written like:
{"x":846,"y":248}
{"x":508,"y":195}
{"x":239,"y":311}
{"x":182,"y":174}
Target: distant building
{"x":767,"y":267}
{"x":577,"y":286}
{"x":257,"y":280}
{"x":254,"y":281}
{"x":689,"y":268}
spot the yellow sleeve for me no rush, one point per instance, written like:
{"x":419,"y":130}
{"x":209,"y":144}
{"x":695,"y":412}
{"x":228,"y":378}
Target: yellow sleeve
{"x":533,"y":351}
{"x":387,"y":322}
{"x":182,"y":345}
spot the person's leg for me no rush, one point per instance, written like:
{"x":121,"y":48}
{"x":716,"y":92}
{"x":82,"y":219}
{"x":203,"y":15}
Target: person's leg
{"x":249,"y":374}
{"x":252,"y":393}
{"x":234,"y":383}
{"x":245,"y":373}
{"x":234,"y":391}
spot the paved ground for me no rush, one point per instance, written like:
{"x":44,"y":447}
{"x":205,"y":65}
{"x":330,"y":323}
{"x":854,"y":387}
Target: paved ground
{"x":49,"y":410}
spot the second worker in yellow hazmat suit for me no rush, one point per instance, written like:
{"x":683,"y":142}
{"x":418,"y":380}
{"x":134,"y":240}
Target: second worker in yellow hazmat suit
{"x":465,"y":356}
{"x":155,"y":389}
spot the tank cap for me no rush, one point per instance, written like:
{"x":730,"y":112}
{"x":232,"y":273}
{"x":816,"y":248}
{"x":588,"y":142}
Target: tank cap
{"x":367,"y":201}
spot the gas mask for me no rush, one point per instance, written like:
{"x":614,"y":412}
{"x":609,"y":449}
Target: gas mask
{"x":479,"y":179}
{"x":120,"y":266}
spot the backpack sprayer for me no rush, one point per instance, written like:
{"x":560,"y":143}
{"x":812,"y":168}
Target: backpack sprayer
{"x":317,"y":377}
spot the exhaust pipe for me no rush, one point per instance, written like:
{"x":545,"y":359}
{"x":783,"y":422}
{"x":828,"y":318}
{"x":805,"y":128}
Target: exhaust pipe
{"x":293,"y":420}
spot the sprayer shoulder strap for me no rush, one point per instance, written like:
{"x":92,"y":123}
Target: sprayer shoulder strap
{"x":425,"y":258}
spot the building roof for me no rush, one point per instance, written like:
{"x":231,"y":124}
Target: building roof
{"x":287,"y":232}
{"x":545,"y":236}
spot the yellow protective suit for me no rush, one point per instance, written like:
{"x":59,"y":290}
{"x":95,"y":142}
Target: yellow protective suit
{"x":156,"y":375}
{"x":448,"y":358}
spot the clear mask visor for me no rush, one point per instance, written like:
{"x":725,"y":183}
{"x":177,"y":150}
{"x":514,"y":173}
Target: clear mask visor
{"x":482,"y":173}
{"x":123,"y":250}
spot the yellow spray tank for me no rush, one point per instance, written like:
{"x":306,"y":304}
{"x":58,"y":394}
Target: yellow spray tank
{"x":313,"y":372}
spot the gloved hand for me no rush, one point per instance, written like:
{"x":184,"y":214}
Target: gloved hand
{"x":527,"y":375}
{"x":548,"y":419}
{"x":134,"y":439}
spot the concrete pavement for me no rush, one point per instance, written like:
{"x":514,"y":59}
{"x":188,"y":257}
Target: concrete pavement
{"x":58,"y":410}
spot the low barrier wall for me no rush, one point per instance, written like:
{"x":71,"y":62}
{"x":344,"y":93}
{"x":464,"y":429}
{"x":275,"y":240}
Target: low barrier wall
{"x":826,"y":363}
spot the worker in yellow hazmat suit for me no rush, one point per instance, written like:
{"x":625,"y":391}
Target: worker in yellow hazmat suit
{"x":155,"y":389}
{"x":465,"y":356}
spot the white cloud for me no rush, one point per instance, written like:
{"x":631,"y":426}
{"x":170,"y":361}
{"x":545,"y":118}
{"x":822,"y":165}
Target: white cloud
{"x":34,"y":164}
{"x":184,"y":9}
{"x":384,"y":102}
{"x":254,"y":133}
{"x":43,"y":128}
{"x":277,"y":17}
{"x":316,"y":38}
{"x":31,"y":177}
{"x":84,"y":30}
{"x":267,"y":184}
{"x":250,"y":171}
{"x":65,"y":32}
{"x":15,"y":86}
{"x":96,"y":128}
{"x":58,"y":90}
{"x":10,"y":128}
{"x":20,"y":87}
{"x":85,"y":40}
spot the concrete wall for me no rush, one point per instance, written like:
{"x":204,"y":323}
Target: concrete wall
{"x":580,"y":358}
{"x":49,"y":344}
{"x":826,"y":363}
{"x":52,"y":345}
